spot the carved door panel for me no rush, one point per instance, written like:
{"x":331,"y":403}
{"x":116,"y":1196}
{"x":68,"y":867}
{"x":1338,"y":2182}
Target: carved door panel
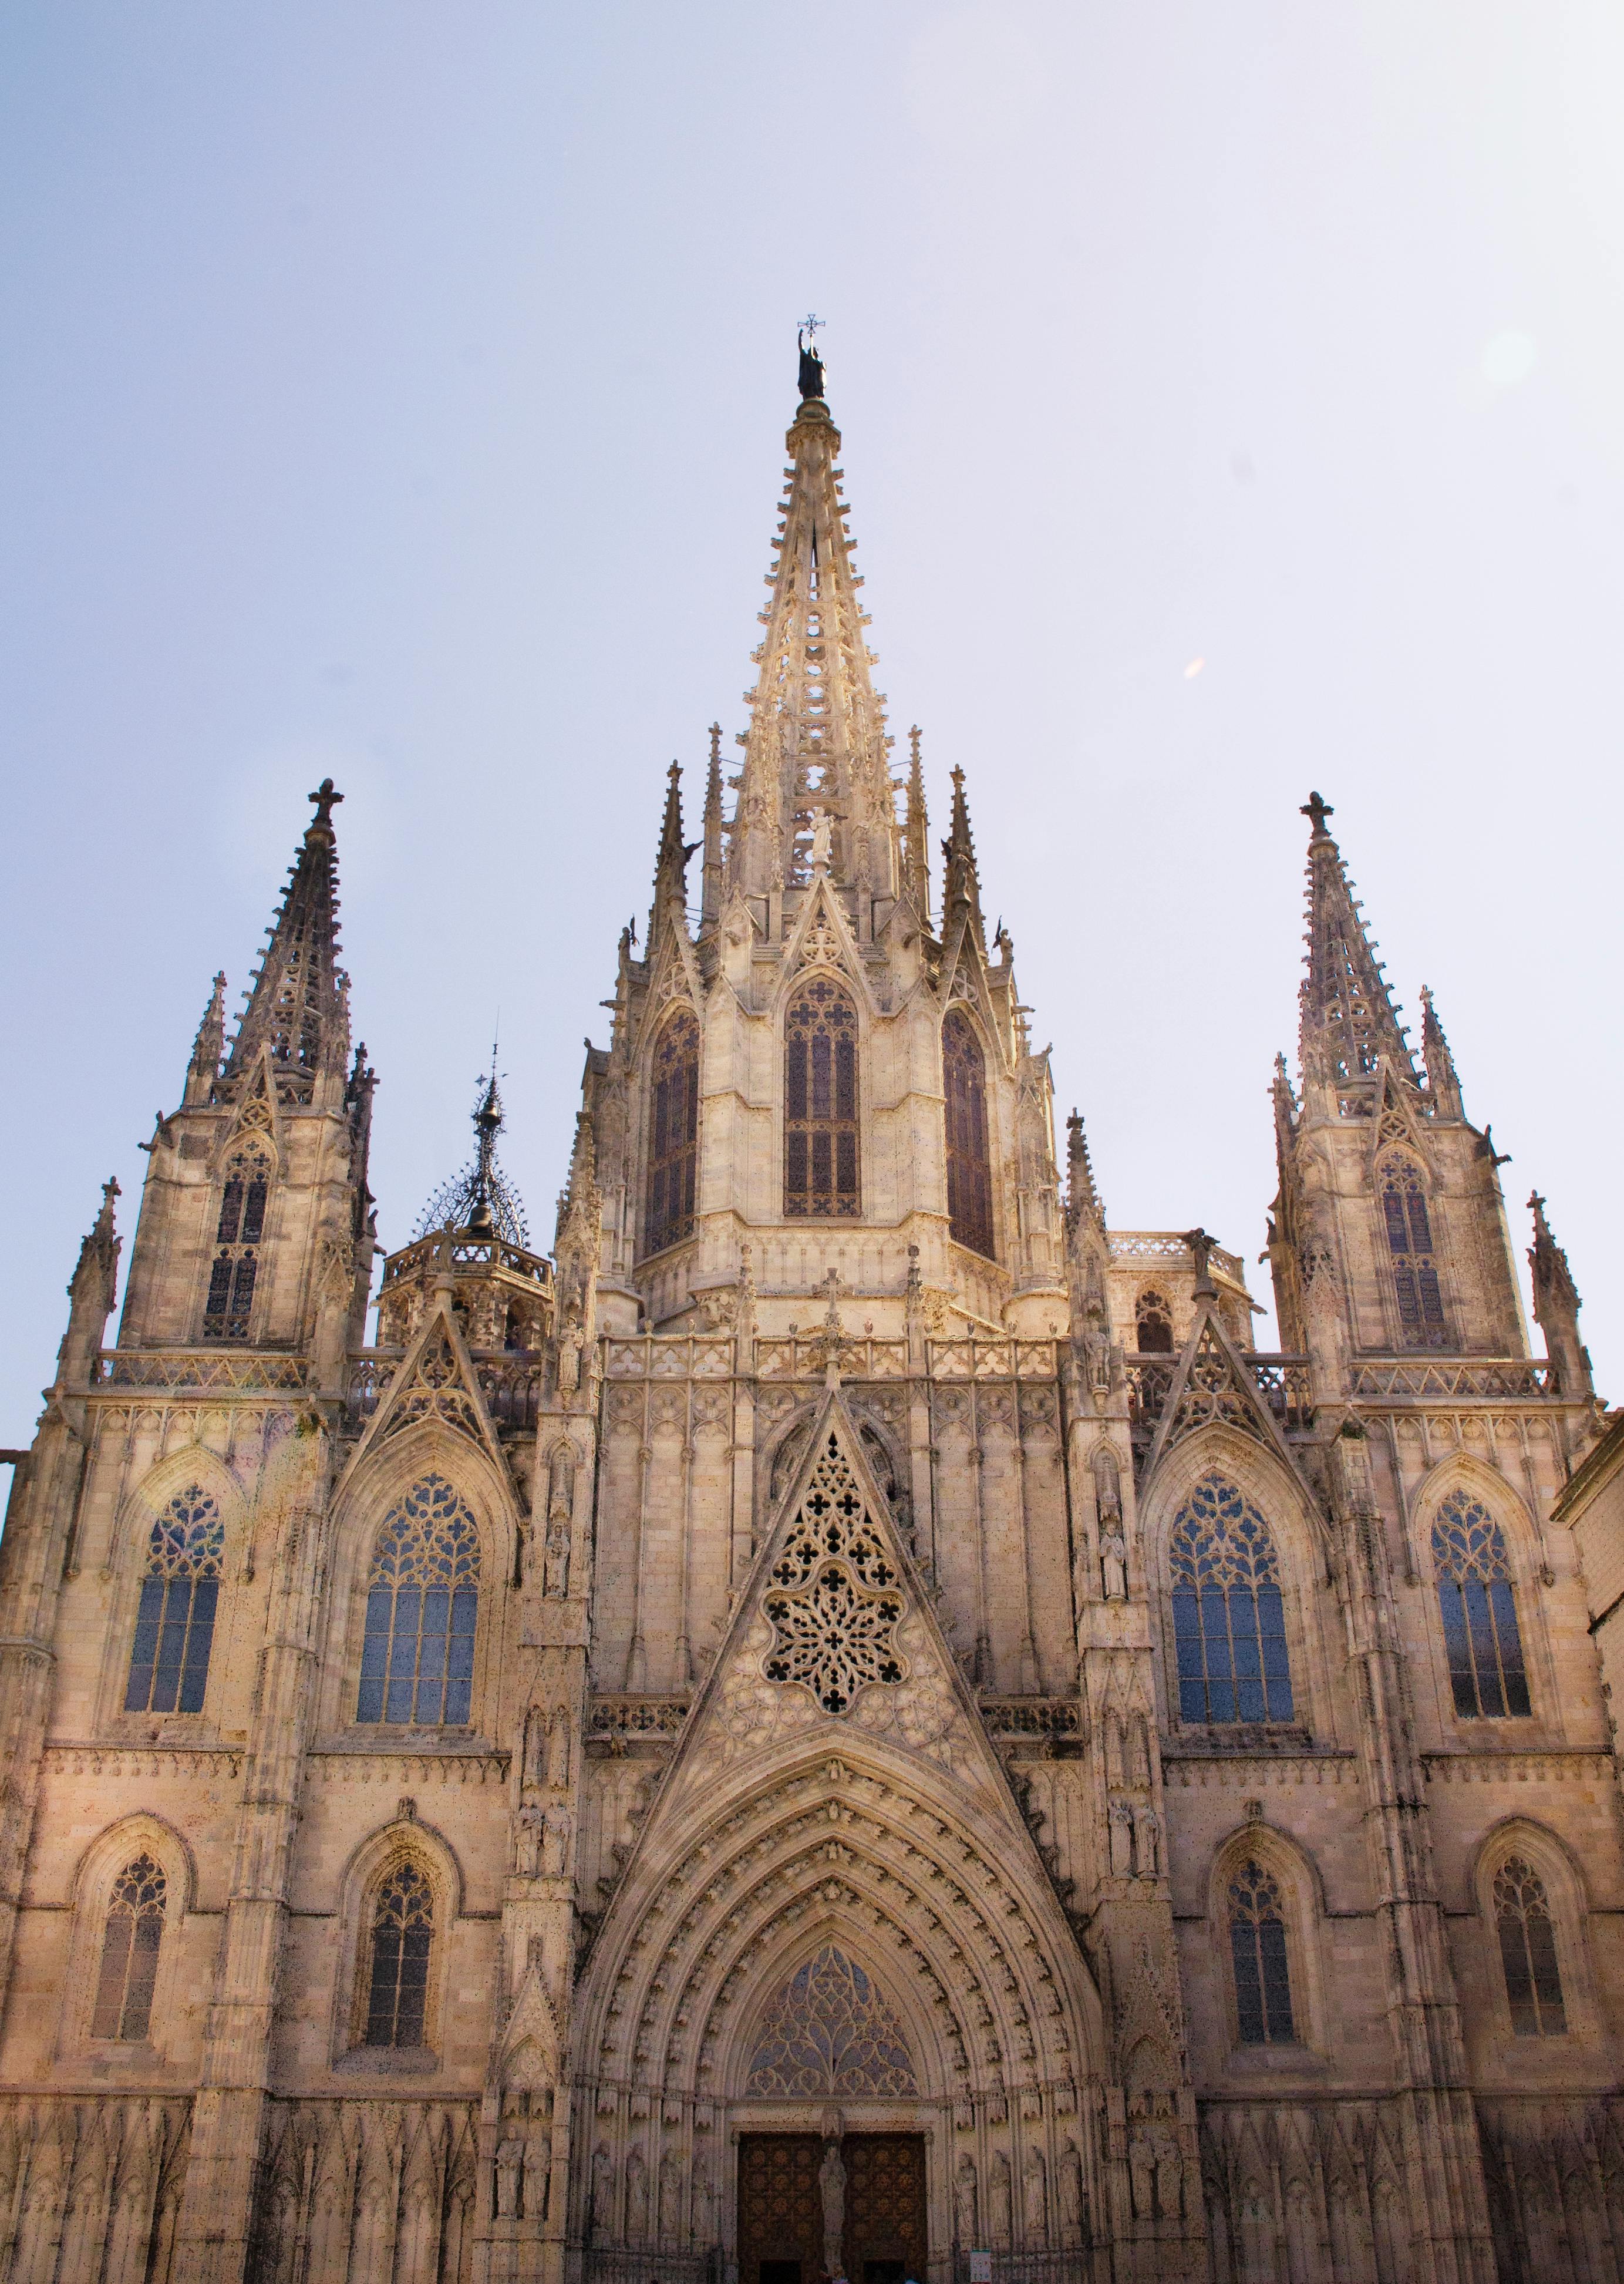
{"x":885,"y":2240}
{"x":780,"y":2214}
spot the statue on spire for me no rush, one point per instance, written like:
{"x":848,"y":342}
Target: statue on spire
{"x":811,"y":363}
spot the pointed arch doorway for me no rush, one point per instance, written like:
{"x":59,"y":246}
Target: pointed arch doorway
{"x":858,"y":2201}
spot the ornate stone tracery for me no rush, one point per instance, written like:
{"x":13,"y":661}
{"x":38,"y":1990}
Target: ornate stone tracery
{"x":829,"y":2032}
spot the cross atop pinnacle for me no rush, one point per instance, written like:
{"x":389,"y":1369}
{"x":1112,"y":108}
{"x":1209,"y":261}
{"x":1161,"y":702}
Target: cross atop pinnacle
{"x":325,"y":800}
{"x":1318,"y":810}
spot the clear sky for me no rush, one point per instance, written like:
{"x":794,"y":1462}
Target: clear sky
{"x":397,"y":392}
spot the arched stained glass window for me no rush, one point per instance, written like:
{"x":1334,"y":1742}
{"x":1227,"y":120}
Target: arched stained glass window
{"x":1229,"y":1619}
{"x":1153,"y":1322}
{"x":422,"y":1608}
{"x":1409,"y":1247}
{"x":403,"y":1939}
{"x":130,"y":1943}
{"x":175,"y":1620}
{"x":1528,"y":1951}
{"x":1257,"y":1952}
{"x":673,"y":1132}
{"x":830,"y":2031}
{"x":970,"y":1173}
{"x":235,"y":1268}
{"x":1480,"y":1615}
{"x":820,"y":1103}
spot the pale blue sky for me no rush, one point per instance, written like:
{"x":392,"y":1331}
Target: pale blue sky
{"x":398,"y":391}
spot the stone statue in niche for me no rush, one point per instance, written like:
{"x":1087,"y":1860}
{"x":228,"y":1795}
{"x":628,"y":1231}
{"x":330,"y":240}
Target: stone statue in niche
{"x":558,"y":1750}
{"x":1034,"y":2200}
{"x":1114,"y":1563}
{"x":533,"y":1767}
{"x":1168,"y":2159}
{"x":1121,"y":1839}
{"x":1147,"y":1841}
{"x":963,"y":2201}
{"x":637,"y":2198}
{"x":1142,"y":2169}
{"x":557,"y":1586}
{"x":832,"y":2197}
{"x":538,"y":2172}
{"x":555,"y":1841}
{"x":601,"y":2220}
{"x":1071,"y":2192}
{"x":510,"y":2159}
{"x":527,"y":1839}
{"x":1001,"y":2215}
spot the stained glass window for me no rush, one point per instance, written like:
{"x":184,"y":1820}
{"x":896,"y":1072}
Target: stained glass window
{"x":234,"y":1271}
{"x":820,"y":1103}
{"x":1409,"y":1247}
{"x":1480,"y":1615}
{"x":674,"y":1133}
{"x":130,"y":1941}
{"x":1228,"y":1617}
{"x":829,"y":2032}
{"x":1153,"y":1320}
{"x":422,"y":1607}
{"x":970,"y":1173}
{"x":1528,"y":1951}
{"x":1257,"y":1950}
{"x":175,"y":1619}
{"x":403,"y":1936}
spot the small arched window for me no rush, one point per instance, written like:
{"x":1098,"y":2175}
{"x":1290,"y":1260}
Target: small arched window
{"x":1480,"y":1615}
{"x":237,"y":1234}
{"x":674,"y":1133}
{"x":820,"y":1103}
{"x":175,"y":1620}
{"x":970,"y":1173}
{"x":1258,"y":1955}
{"x":130,"y":1942}
{"x":1528,"y":1951}
{"x":1153,"y":1322}
{"x":1409,"y":1249}
{"x":422,"y":1610}
{"x":1228,"y":1618}
{"x":403,"y":1938}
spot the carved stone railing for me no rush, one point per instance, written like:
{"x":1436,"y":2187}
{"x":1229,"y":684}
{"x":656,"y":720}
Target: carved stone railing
{"x":806,"y":1356}
{"x":1032,"y":1716}
{"x":623,"y":1717}
{"x":670,"y":1356}
{"x":224,"y":1370}
{"x":1283,"y":1382}
{"x":510,"y":1380}
{"x":1493,"y":1380}
{"x":470,"y":1252}
{"x":978,"y":1359}
{"x":1147,"y":1246}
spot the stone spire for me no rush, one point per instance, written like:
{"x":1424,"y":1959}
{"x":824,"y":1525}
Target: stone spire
{"x":1082,"y":1197}
{"x":208,"y":1047}
{"x":1442,"y":1083}
{"x":671,"y":866}
{"x":916,"y":835}
{"x":1555,"y":1307}
{"x":961,"y":884}
{"x":817,"y":728}
{"x":91,"y":1290}
{"x":296,"y":1007}
{"x":710,"y":896}
{"x":1349,"y":1027}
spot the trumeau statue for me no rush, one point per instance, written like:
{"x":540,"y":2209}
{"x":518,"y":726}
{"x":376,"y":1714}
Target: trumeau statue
{"x":799,"y":1604}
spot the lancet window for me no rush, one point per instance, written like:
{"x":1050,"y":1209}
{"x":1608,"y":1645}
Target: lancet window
{"x":1528,"y":1951}
{"x":422,"y":1610}
{"x":235,"y":1268}
{"x":674,"y":1133}
{"x":1229,"y":1615}
{"x":131,"y":1939}
{"x":1258,"y":1955}
{"x":403,"y":1938}
{"x":1153,"y":1323}
{"x":1409,"y":1248}
{"x":970,"y":1172}
{"x":175,"y":1619}
{"x":1481,"y":1639}
{"x":820,"y":1103}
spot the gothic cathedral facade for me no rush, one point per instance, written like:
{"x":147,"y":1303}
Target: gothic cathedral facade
{"x":846,"y":1721}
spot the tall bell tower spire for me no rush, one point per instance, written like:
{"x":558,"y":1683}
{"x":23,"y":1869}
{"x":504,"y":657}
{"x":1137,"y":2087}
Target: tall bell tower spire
{"x":817,"y":728}
{"x":298,"y":1006}
{"x":1350,"y":1031}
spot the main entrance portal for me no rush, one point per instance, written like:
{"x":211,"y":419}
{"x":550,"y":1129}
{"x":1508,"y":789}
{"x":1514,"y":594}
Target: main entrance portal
{"x":791,"y":2197}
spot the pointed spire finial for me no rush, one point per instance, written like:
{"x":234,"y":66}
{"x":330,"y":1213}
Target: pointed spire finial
{"x":1082,"y":1197}
{"x":1318,"y":809}
{"x":1556,"y":1305}
{"x":710,"y":893}
{"x":1349,"y":1027}
{"x":481,"y":1201}
{"x":917,"y":833}
{"x":297,"y":1009}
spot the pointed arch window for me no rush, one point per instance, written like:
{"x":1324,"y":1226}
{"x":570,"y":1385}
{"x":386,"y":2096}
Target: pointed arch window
{"x":422,"y":1611}
{"x":131,"y":1938}
{"x":1528,"y":1951}
{"x":821,"y":1174}
{"x":1486,"y":1672}
{"x":1229,"y":1615}
{"x":1153,"y":1323}
{"x":234,"y":1270}
{"x":1409,"y":1248}
{"x":673,"y":1132}
{"x":402,"y":1941}
{"x":175,"y":1619}
{"x":970,"y":1172}
{"x":1257,"y":1956}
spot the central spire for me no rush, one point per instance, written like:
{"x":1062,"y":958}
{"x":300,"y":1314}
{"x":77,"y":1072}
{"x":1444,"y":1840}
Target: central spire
{"x":816,"y":738}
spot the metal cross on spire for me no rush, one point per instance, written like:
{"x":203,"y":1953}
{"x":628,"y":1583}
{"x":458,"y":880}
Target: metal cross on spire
{"x":325,"y":800}
{"x":810,"y":323}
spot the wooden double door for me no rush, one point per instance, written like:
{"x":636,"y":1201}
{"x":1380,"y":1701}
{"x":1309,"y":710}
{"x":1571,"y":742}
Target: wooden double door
{"x":781,"y":2207}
